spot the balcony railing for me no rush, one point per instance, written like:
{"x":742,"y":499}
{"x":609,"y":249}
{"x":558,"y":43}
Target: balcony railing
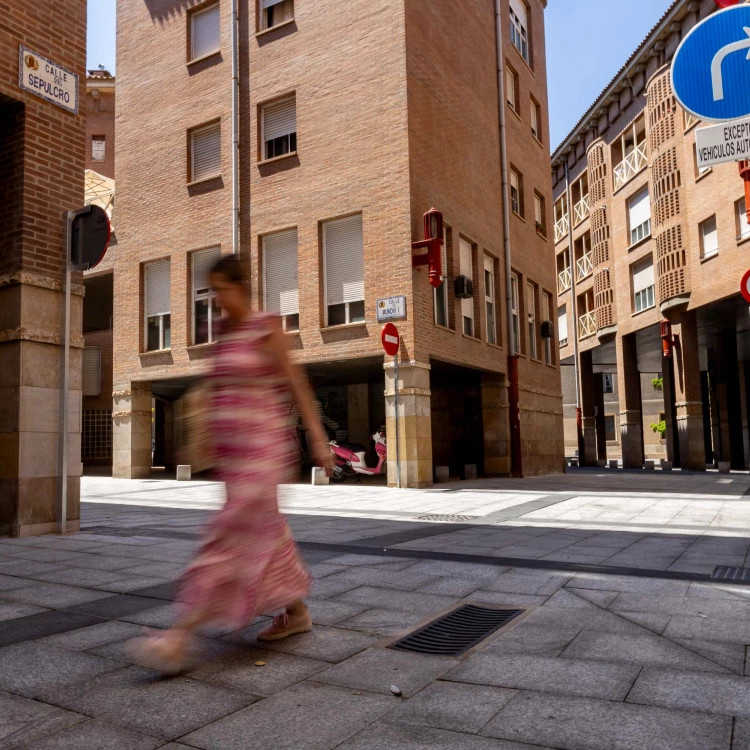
{"x":630,"y":165}
{"x":561,"y":228}
{"x":586,"y":325}
{"x":689,"y":119}
{"x":581,"y":210}
{"x":564,"y":281}
{"x":585,"y":265}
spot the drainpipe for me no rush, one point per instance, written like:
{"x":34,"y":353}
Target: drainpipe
{"x":574,"y":311}
{"x":235,"y":132}
{"x":516,"y":463}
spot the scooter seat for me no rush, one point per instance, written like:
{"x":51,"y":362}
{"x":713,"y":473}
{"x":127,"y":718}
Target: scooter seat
{"x":354,"y":447}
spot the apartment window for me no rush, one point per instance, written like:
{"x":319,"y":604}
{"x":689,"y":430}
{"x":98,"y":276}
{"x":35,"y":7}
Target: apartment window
{"x":515,"y":312}
{"x":562,"y":325}
{"x":206,"y":310}
{"x":205,"y":32}
{"x":609,"y":428}
{"x":629,"y":153}
{"x":743,"y":227}
{"x":281,"y":289}
{"x":539,"y":212}
{"x":531,"y":317}
{"x":699,"y":171}
{"x":516,"y":192}
{"x":466,"y":268}
{"x":639,"y":216}
{"x":440,"y":294}
{"x":98,"y":148}
{"x":536,"y":120}
{"x":546,"y":317}
{"x":158,"y":305}
{"x":279,"y":128}
{"x":643,"y":284}
{"x":343,"y":253}
{"x":608,"y":383}
{"x":92,"y":371}
{"x":519,"y":25}
{"x":275,"y":12}
{"x":709,"y":237}
{"x":511,"y":84}
{"x":205,"y":152}
{"x":489,"y":299}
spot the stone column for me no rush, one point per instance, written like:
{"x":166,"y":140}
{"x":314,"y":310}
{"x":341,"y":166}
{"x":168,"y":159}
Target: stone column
{"x":415,"y":424}
{"x":730,"y":403}
{"x":631,"y":412}
{"x":495,"y":424}
{"x":131,"y":431}
{"x":600,"y":421}
{"x":169,"y":435}
{"x":588,"y":409}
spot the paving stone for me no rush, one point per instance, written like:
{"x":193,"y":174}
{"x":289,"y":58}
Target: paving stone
{"x":719,"y":591}
{"x":584,"y":619}
{"x":709,"y":629}
{"x":44,"y":555}
{"x":48,"y":622}
{"x":729,"y":655}
{"x":471,"y":571}
{"x":586,"y":724}
{"x":375,"y":670}
{"x":325,"y":588}
{"x":131,"y":584}
{"x":403,"y":580}
{"x":384,"y":622}
{"x":160,"y":616}
{"x":530,"y":639}
{"x":364,"y":560}
{"x":653,"y":621}
{"x":26,"y":568}
{"x":721,"y":694}
{"x":683,"y":605}
{"x":96,"y":735}
{"x":323,"y":569}
{"x":165,"y":570}
{"x":631,"y":584}
{"x":141,"y":700}
{"x":310,"y":716}
{"x":30,"y":668}
{"x":741,"y":735}
{"x":328,"y":612}
{"x":454,"y":706}
{"x":102,"y":562}
{"x":53,"y":595}
{"x":93,"y":636}
{"x":113,"y":607}
{"x":450,"y":586}
{"x":565,"y":676}
{"x":389,"y":599}
{"x":25,"y":721}
{"x":507,"y":598}
{"x":202,"y":650}
{"x":81,"y":577}
{"x":536,"y":582}
{"x":568,"y":598}
{"x":7,"y":583}
{"x":13,"y":610}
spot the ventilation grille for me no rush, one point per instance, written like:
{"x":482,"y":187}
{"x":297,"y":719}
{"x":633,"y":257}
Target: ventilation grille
{"x":730,"y":573}
{"x":446,"y":517}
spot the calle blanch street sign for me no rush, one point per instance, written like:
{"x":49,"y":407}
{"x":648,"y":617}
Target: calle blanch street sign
{"x":47,"y":79}
{"x":727,"y":141}
{"x":711,"y":68}
{"x":391,"y":308}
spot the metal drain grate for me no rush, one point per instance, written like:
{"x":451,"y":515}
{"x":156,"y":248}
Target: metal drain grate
{"x":446,"y":517}
{"x":458,"y":631}
{"x":731,"y":573}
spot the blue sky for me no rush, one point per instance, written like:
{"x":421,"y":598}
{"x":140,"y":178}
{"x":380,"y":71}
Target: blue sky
{"x":587,"y":43}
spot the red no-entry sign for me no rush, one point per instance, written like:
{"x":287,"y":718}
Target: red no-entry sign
{"x":390,"y":339}
{"x":726,"y":3}
{"x":745,"y":287}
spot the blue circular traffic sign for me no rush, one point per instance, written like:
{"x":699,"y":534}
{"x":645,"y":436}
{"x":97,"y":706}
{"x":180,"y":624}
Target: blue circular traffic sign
{"x":711,"y":68}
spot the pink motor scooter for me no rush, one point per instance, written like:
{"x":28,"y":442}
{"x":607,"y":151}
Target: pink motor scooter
{"x":350,"y":459}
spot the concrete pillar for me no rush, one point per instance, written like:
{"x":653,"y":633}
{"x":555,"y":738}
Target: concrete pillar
{"x":745,"y":383}
{"x":730,"y":399}
{"x":359,"y":428}
{"x":600,"y":421}
{"x":588,"y":407}
{"x":631,"y":412}
{"x":688,"y":401}
{"x":168,"y":435}
{"x":670,"y":411}
{"x":495,"y":424}
{"x":415,"y":424}
{"x":131,"y":431}
{"x":159,"y":457}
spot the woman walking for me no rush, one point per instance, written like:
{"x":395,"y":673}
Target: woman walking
{"x":249,"y":562}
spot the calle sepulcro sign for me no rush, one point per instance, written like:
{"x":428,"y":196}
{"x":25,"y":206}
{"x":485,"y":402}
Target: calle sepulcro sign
{"x":48,"y":80}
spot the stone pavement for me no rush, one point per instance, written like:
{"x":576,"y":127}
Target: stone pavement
{"x":625,"y":641}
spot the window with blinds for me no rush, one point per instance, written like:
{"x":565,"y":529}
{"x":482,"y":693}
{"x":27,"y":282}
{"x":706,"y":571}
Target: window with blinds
{"x":157,"y":305}
{"x":709,"y":237}
{"x":511,"y":85}
{"x":206,"y":310}
{"x":639,"y":216}
{"x":531,"y":317}
{"x":275,"y":12}
{"x":515,"y":315}
{"x":205,"y":32}
{"x":489,"y":299}
{"x":280,"y":285}
{"x":343,"y":258}
{"x":516,"y":192}
{"x":98,"y":148}
{"x":92,"y":371}
{"x":205,"y":152}
{"x":743,"y":226}
{"x":279,"y":128}
{"x":466,"y":268}
{"x":440,"y":295}
{"x":643,"y":284}
{"x":519,"y":25}
{"x":546,"y":317}
{"x":536,"y":120}
{"x":539,"y":212}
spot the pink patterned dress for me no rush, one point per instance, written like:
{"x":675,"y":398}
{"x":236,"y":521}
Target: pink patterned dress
{"x":249,"y":563}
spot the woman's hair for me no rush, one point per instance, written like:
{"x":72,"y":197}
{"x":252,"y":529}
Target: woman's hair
{"x":232,"y":269}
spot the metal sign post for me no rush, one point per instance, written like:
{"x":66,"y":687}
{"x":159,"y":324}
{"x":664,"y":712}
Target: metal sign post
{"x":391,"y":342}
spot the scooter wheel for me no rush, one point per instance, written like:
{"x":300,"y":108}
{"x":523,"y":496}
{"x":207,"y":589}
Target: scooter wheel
{"x":338,"y":476}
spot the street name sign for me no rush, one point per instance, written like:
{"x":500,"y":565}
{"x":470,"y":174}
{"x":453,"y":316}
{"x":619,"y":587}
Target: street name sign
{"x":391,"y":308}
{"x":711,"y":68}
{"x":745,"y":287}
{"x":48,"y":80}
{"x":727,"y":141}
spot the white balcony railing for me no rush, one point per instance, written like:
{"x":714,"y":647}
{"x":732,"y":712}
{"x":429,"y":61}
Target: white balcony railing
{"x":585,"y":266}
{"x":564,"y":281}
{"x":689,"y":120}
{"x":581,"y":210}
{"x":586,"y":325}
{"x":630,"y":165}
{"x":561,"y":228}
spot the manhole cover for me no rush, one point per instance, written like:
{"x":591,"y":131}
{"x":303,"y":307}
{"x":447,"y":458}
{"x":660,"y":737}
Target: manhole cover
{"x":446,"y":517}
{"x":458,"y":631}
{"x":731,"y":573}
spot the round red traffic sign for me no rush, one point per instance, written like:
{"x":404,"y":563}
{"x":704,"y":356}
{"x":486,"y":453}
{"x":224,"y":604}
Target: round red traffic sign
{"x":390,"y":339}
{"x":745,"y":287}
{"x":726,"y":3}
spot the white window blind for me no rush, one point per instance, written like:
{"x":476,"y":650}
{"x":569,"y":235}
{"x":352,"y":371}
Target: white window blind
{"x":530,"y":301}
{"x":268,"y":3}
{"x":206,"y":152}
{"x":280,"y":264}
{"x":158,"y":288}
{"x":710,"y":237}
{"x":538,"y":210}
{"x":513,"y":180}
{"x":344,"y":260}
{"x":98,"y":148}
{"x":205,"y":32}
{"x":92,"y":370}
{"x":744,"y":225}
{"x":279,"y":119}
{"x":562,"y":324}
{"x":639,"y":207}
{"x":534,"y":119}
{"x":203,"y":262}
{"x":489,"y":264}
{"x":545,"y":306}
{"x":518,"y":7}
{"x":643,"y":275}
{"x":466,"y":269}
{"x":510,"y":84}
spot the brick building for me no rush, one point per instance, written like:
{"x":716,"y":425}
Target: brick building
{"x":354,"y":119}
{"x":41,"y":176}
{"x":642,"y":236}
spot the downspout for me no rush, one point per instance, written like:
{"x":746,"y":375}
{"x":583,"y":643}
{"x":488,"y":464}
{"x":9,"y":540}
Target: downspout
{"x":516,"y":463}
{"x":574,"y":312}
{"x":235,"y":131}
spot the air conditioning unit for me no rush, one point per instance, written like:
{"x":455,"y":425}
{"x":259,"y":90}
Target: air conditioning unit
{"x":548,"y":331}
{"x":464,"y":287}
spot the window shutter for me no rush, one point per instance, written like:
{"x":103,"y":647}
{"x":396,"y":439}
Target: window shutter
{"x":280,"y":273}
{"x":534,"y":119}
{"x":279,"y":119}
{"x":206,"y":152}
{"x":466,"y":269}
{"x":268,"y":3}
{"x":344,"y":260}
{"x":510,"y":84}
{"x":489,"y":264}
{"x":643,"y":275}
{"x":710,"y":236}
{"x":206,"y":30}
{"x":537,"y":209}
{"x":562,"y":324}
{"x":640,"y":209}
{"x":513,"y":180}
{"x":92,"y":370}
{"x":545,"y":306}
{"x":203,"y":262}
{"x":519,"y":8}
{"x":158,"y":288}
{"x":530,"y":300}
{"x":98,"y":148}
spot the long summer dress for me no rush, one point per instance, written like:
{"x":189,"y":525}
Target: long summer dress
{"x":249,"y":562}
